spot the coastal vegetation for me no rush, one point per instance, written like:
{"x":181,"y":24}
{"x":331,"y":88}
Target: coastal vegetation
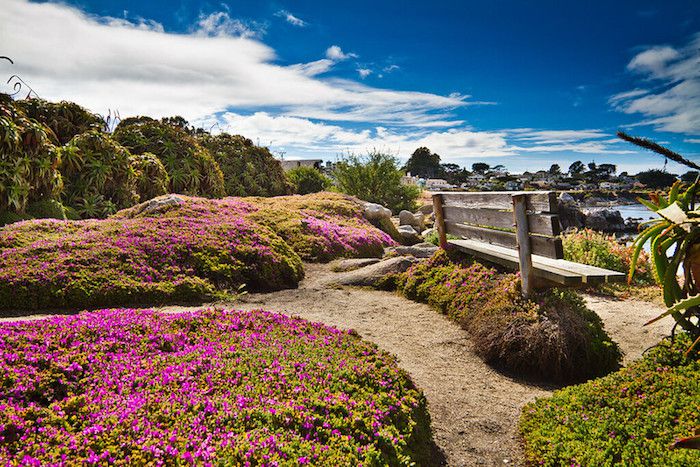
{"x":137,"y":387}
{"x":552,"y":336}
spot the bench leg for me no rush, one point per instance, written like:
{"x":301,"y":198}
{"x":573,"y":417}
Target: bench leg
{"x":524,"y":252}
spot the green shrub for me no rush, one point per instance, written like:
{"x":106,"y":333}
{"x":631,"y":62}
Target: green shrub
{"x":626,"y":418}
{"x":192,"y":170}
{"x":65,"y":119}
{"x":307,"y":180}
{"x":46,"y":209}
{"x":98,"y":176}
{"x":28,"y":160}
{"x":604,"y":251}
{"x":552,"y":336}
{"x":249,"y":170}
{"x":151,"y":177}
{"x":375,"y":178}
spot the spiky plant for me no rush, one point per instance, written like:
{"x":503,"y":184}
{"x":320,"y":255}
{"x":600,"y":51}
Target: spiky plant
{"x":65,"y":119}
{"x":151,"y":177}
{"x":192,"y":170}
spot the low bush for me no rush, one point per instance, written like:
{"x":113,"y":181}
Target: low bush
{"x":552,"y":336}
{"x":135,"y":387}
{"x":307,"y":180}
{"x":191,"y":168}
{"x":627,"y":418}
{"x":52,"y":264}
{"x":604,"y":251}
{"x":375,"y":178}
{"x":249,"y":170}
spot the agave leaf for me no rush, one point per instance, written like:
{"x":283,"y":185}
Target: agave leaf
{"x":692,"y":346}
{"x":638,"y":245}
{"x":649,"y":204}
{"x":677,"y":307}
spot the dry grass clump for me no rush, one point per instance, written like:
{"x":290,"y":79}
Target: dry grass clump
{"x":552,"y":336}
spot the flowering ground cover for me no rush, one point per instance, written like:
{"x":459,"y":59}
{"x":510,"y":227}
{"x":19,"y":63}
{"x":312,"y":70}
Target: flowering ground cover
{"x":131,"y":387}
{"x":630,"y":417}
{"x":189,"y":251}
{"x":551,"y":336}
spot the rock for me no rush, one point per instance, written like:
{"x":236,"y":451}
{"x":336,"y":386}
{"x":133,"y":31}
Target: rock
{"x":345,"y":265}
{"x":155,"y":205}
{"x":385,"y":224}
{"x":375,"y":212}
{"x":409,"y":236}
{"x":570,"y":216}
{"x":370,"y":275}
{"x":566,"y":198}
{"x":417,"y":221}
{"x":426,"y":209}
{"x":420,"y":250}
{"x":605,"y":220}
{"x":428,"y":232}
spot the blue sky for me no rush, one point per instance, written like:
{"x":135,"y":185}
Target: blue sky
{"x":524,"y":84}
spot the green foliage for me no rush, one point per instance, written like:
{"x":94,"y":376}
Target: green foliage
{"x":307,"y":180}
{"x":677,"y":230}
{"x":65,"y":119}
{"x":192,"y":170}
{"x":98,"y":175}
{"x":604,"y":251}
{"x":248,"y":170}
{"x":28,"y":160}
{"x":552,"y":336}
{"x":423,"y":163}
{"x":626,"y":418}
{"x":375,"y":178}
{"x":151,"y":177}
{"x":656,"y":179}
{"x":46,"y":209}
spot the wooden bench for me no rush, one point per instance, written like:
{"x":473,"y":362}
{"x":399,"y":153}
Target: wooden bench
{"x":516,"y":229}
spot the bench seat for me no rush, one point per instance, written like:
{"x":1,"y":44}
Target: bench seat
{"x":558,"y":271}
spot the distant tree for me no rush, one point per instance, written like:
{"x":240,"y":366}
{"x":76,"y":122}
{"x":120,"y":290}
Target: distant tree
{"x":592,"y":166}
{"x":555,"y":169}
{"x":480,"y":167}
{"x":498,"y":168}
{"x":423,"y":163}
{"x":577,"y":168}
{"x":607,"y":169}
{"x":624,"y":174}
{"x":656,"y":178}
{"x":690,"y":176}
{"x":454,"y":174}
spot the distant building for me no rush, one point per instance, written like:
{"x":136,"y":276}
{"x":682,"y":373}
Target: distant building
{"x":293,"y":164}
{"x":513,"y":185}
{"x":436,"y":184}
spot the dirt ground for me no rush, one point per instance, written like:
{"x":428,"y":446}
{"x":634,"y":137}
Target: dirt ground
{"x":474,"y":408}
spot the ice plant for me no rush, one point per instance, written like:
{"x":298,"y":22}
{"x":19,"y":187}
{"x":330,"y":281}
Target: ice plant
{"x":135,"y":387}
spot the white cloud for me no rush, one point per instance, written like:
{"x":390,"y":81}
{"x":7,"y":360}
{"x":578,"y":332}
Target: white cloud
{"x":670,"y":100}
{"x":391,"y":68}
{"x":364,"y":72}
{"x":692,"y":140}
{"x":334,"y":52}
{"x":104,"y":63}
{"x":291,"y":19}
{"x":300,"y":136}
{"x":590,"y":141}
{"x":216,"y":24}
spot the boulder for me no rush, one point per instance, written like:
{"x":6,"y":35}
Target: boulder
{"x":570,"y":216}
{"x":345,"y":265}
{"x":385,"y":224}
{"x":376,"y":212}
{"x":420,"y":250}
{"x":566,"y":198}
{"x":155,"y":205}
{"x":605,"y":220}
{"x":409,"y":236}
{"x":372,"y":274}
{"x":417,"y":221}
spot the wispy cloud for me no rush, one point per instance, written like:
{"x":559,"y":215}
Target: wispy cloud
{"x":364,"y":72}
{"x":669,"y":97}
{"x":291,"y":19}
{"x":220,"y":64}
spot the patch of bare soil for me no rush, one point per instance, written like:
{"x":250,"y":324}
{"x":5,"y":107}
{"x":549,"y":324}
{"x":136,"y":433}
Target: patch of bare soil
{"x":624,"y":321}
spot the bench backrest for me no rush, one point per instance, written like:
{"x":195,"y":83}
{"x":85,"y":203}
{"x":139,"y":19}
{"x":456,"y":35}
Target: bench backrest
{"x":490,"y":217}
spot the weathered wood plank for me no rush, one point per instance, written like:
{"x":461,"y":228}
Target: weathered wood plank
{"x":544,"y":246}
{"x":509,"y":258}
{"x":522,"y":235}
{"x":537,"y":201}
{"x":544,"y":224}
{"x":438,"y":209}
